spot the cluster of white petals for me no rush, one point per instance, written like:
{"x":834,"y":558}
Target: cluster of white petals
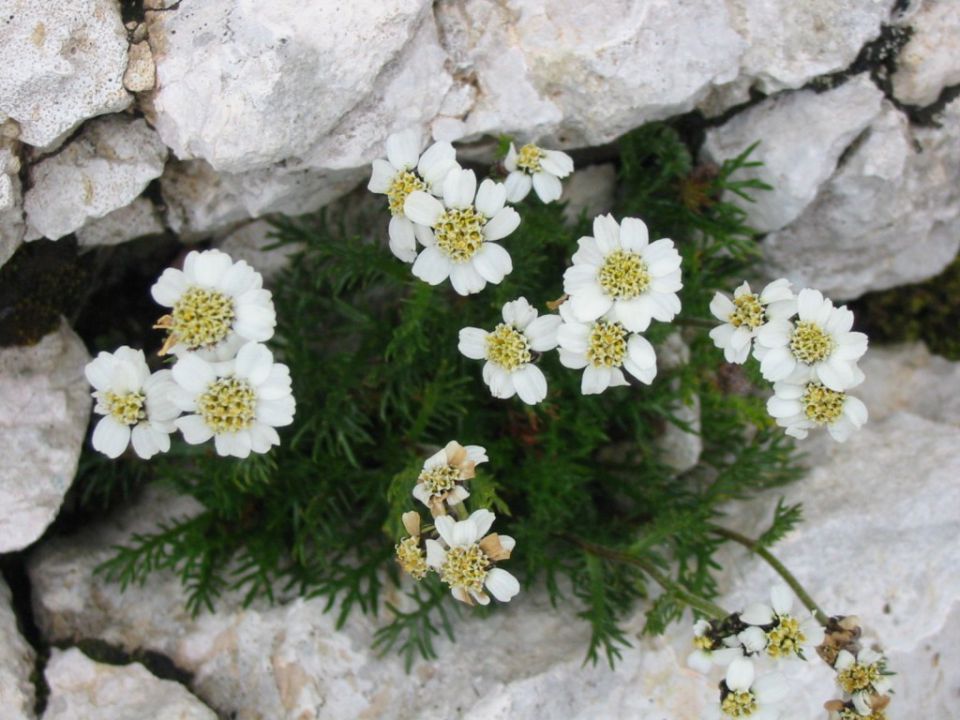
{"x":224,"y":378}
{"x":441,"y":482}
{"x":537,"y":168}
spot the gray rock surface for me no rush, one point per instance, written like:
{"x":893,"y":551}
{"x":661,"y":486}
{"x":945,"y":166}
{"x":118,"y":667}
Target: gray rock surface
{"x":929,"y":62}
{"x":60,"y":63}
{"x":16,"y":664}
{"x":131,"y":221}
{"x":44,"y":410}
{"x":104,"y":169}
{"x":12,"y":227}
{"x":249,"y":242}
{"x":589,"y":190}
{"x":81,"y":689}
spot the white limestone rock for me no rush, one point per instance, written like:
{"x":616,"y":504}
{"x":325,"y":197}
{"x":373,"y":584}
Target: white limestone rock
{"x":16,"y":664}
{"x":103,"y":169}
{"x":801,"y":136}
{"x":132,"y":221}
{"x":81,"y":689}
{"x":789,"y":43}
{"x":44,"y":410}
{"x":590,"y":191}
{"x":249,"y":242}
{"x":578,"y":74}
{"x":141,"y":72}
{"x":321,"y":84}
{"x":929,"y":62}
{"x":12,"y":226}
{"x":889,"y":216}
{"x":60,"y":63}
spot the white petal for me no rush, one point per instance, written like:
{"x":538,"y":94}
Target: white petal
{"x":403,"y":149}
{"x":277,"y":413}
{"x":99,"y":371}
{"x":492,"y":262}
{"x":557,"y":163}
{"x":548,"y":187}
{"x":542,"y":333}
{"x":781,"y":599}
{"x":381,"y":176}
{"x":263,"y":437}
{"x":436,"y":555}
{"x":145,"y":441}
{"x":436,"y":161}
{"x":855,"y":411}
{"x":753,"y":639}
{"x":210,"y":266}
{"x":530,"y":384}
{"x":501,"y":584}
{"x":740,"y":675}
{"x":110,"y":437}
{"x":595,"y":380}
{"x":606,"y":232}
{"x":510,"y":161}
{"x":193,"y":374}
{"x":473,"y":343}
{"x":465,"y":279}
{"x":502,"y":224}
{"x":574,"y":336}
{"x":518,"y":186}
{"x":588,"y":253}
{"x":403,"y":240}
{"x":519,"y":313}
{"x":459,"y":188}
{"x":499,"y":381}
{"x":572,"y":360}
{"x":722,"y":307}
{"x":809,"y":304}
{"x":254,"y":362}
{"x":641,"y":352}
{"x":757,"y":614}
{"x":633,"y":234}
{"x":482,"y":522}
{"x":490,"y":198}
{"x":171,"y":284}
{"x":446,"y":527}
{"x":770,"y":688}
{"x":194,"y":429}
{"x":423,"y":208}
{"x":590,"y":303}
{"x":432,"y":266}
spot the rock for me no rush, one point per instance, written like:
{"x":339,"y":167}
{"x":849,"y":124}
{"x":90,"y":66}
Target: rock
{"x":61,"y":63}
{"x":680,"y":447}
{"x":135,"y":220}
{"x":81,"y":689}
{"x":321,"y":84}
{"x":928,"y":63}
{"x":563,"y":73}
{"x":16,"y":664}
{"x":789,"y":43}
{"x":249,"y":243}
{"x":12,"y":227}
{"x":103,"y":169}
{"x":44,"y":410}
{"x":801,"y":136}
{"x":590,"y":191}
{"x":895,"y":200}
{"x":141,"y":72}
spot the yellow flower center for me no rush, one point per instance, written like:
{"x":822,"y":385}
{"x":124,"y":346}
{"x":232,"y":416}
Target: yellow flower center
{"x":607,"y":345}
{"x":440,"y":479}
{"x":850,"y":714}
{"x":739,"y":703}
{"x":228,"y":405}
{"x":821,"y":404}
{"x":126,"y":409}
{"x":810,"y":344}
{"x":459,"y":233}
{"x":624,"y":275}
{"x":465,"y":567}
{"x":748,"y":311}
{"x":411,"y":557}
{"x":202,"y":317}
{"x":702,"y":642}
{"x":858,"y":677}
{"x":403,"y":184}
{"x":786,"y":638}
{"x":508,"y":347}
{"x":529,"y":157}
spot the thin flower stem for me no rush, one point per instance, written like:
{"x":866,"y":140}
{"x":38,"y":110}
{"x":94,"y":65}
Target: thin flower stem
{"x":693,"y":601}
{"x":460,"y":510}
{"x":779,"y":567}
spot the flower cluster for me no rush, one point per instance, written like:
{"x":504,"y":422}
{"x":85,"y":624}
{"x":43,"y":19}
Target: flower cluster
{"x":758,"y":646}
{"x":463,"y":553}
{"x":805,"y":347}
{"x":224,"y":378}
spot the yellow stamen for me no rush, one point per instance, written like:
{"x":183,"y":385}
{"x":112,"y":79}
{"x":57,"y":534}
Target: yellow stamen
{"x":200,"y":318}
{"x":810,"y":344}
{"x":411,"y":558}
{"x":228,"y":405}
{"x":748,"y":312}
{"x":624,"y":275}
{"x":508,"y":347}
{"x":786,"y":638}
{"x":465,"y":567}
{"x":459,"y":233}
{"x":739,"y":703}
{"x":126,"y":409}
{"x":529,"y":157}
{"x":403,"y":184}
{"x":821,"y":404}
{"x":607,"y":345}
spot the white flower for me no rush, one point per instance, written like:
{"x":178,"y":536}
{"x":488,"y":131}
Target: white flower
{"x":778,"y":632}
{"x":509,"y":350}
{"x":238,"y":403}
{"x":460,"y":242}
{"x":818,"y":346}
{"x":466,"y":564}
{"x":536,"y":167}
{"x":746,"y":314}
{"x":441,"y":480}
{"x":217,"y":305}
{"x":619,"y":271}
{"x":409,"y":551}
{"x":136,"y":404}
{"x":802,"y":407}
{"x":862,"y":675}
{"x":602,"y":347}
{"x":710,"y":650}
{"x":744,"y":695}
{"x":396,"y":178}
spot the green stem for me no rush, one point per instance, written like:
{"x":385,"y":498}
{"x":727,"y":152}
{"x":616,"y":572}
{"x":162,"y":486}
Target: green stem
{"x":778,"y":566}
{"x":694,"y":601}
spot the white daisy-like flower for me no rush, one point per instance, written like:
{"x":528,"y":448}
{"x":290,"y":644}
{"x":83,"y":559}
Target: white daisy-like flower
{"x":818,"y":346}
{"x":238,"y":403}
{"x":509,"y":350}
{"x":604,"y":348}
{"x":409,"y":552}
{"x":537,"y":168}
{"x":136,"y":404}
{"x":619,"y":271}
{"x":745,"y":695}
{"x":744,"y":316}
{"x":802,"y":407}
{"x":776,"y":631}
{"x":462,"y":232}
{"x":862,"y":675}
{"x":711,"y":650}
{"x":467,"y":561}
{"x":441,"y":480}
{"x":404,"y":171}
{"x":216,"y":306}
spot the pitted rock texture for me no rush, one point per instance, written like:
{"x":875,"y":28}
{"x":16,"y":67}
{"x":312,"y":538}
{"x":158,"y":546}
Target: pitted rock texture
{"x":929,"y":62}
{"x":135,"y":220}
{"x":103,"y":169}
{"x":81,"y":689}
{"x":44,"y":409}
{"x":16,"y":664}
{"x":60,"y":63}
